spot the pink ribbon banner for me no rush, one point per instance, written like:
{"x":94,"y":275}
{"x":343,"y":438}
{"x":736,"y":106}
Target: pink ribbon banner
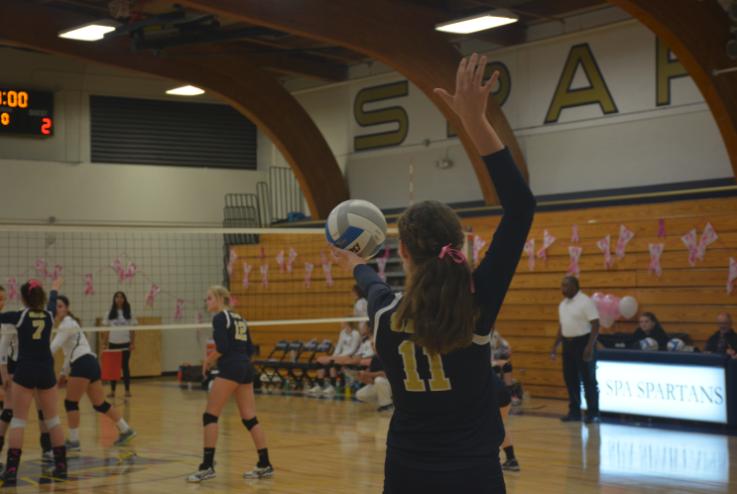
{"x":41,"y":266}
{"x":690,"y":240}
{"x":178,"y":311}
{"x":58,"y":271}
{"x":152,"y":294}
{"x":574,"y":238}
{"x":233,"y":301}
{"x":246,"y":272}
{"x":118,"y":266}
{"x":89,"y":289}
{"x":605,"y":245}
{"x":575,"y":253}
{"x":131,"y":271}
{"x":292,"y":257}
{"x":265,"y":275}
{"x":548,"y":240}
{"x":530,"y":251}
{"x":280,"y":261}
{"x":308,"y":269}
{"x":233,"y":257}
{"x":478,"y":244}
{"x":656,"y":250}
{"x":328,"y":277}
{"x":661,"y":229}
{"x":12,"y":288}
{"x":732,"y":275}
{"x":709,"y":236}
{"x":625,"y":235}
{"x":381,"y":263}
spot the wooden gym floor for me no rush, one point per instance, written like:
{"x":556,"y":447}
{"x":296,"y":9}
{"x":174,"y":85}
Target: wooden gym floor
{"x":320,"y":445}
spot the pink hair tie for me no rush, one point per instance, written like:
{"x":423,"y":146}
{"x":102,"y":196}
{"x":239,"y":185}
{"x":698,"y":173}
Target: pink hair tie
{"x":33,"y":284}
{"x":458,"y":257}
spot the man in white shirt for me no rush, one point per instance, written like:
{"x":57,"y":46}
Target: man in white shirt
{"x":579,"y":327}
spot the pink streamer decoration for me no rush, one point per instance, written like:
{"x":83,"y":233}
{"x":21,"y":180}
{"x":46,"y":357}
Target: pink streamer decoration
{"x":308,"y":269}
{"x":709,"y":236}
{"x":118,"y":266}
{"x":381,"y":262}
{"x":732,"y":275}
{"x":548,"y":240}
{"x":656,"y":250}
{"x":89,"y":289}
{"x":328,"y":278}
{"x":690,"y":240}
{"x":264,"y":275}
{"x":263,"y":253}
{"x":661,"y":229}
{"x":605,"y":244}
{"x":151,"y":294}
{"x":575,"y":238}
{"x":13,"y":288}
{"x":233,"y":257}
{"x":530,"y":251}
{"x":324,"y":259}
{"x":280,"y":261}
{"x":246,"y":272}
{"x":233,"y":301}
{"x":292,"y":257}
{"x":478,"y":244}
{"x":131,"y":271}
{"x":178,"y":311}
{"x":575,"y":253}
{"x":41,"y":266}
{"x":58,"y":270}
{"x":625,"y":235}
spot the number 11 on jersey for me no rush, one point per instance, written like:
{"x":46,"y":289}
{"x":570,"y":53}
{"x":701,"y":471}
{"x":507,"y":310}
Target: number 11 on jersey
{"x":437,"y":381}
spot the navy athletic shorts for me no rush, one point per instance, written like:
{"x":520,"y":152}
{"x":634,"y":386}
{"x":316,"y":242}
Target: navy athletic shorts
{"x":503,"y":393}
{"x":32,"y":376}
{"x":399,"y":479}
{"x":11,"y":366}
{"x":240,"y":371}
{"x":86,"y":367}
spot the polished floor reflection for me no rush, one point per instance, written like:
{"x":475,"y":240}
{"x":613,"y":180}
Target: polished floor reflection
{"x":320,"y":445}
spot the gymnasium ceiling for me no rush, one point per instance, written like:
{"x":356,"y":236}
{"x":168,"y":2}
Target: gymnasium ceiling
{"x":287,"y":55}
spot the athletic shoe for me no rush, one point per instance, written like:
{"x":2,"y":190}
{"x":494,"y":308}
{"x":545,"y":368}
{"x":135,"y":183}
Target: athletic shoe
{"x":315,"y":389}
{"x":386,"y":408}
{"x":200,"y":475}
{"x":259,"y":472}
{"x":329,"y":390}
{"x":72,"y":445}
{"x":124,"y":437}
{"x":592,"y":420}
{"x":127,"y":394}
{"x":47,"y":455}
{"x":9,"y":475}
{"x":512,"y":465}
{"x":60,"y":472}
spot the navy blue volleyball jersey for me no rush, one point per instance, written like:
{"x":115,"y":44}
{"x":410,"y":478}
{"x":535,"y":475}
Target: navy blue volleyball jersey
{"x":446,"y":415}
{"x":232,"y":338}
{"x":34,"y":332}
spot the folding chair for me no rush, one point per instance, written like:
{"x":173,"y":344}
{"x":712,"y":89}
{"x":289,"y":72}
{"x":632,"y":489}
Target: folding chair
{"x":305,"y":367}
{"x":276,"y":356}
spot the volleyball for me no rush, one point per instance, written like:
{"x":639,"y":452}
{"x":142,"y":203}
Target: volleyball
{"x":648,"y":344}
{"x":358,"y":226}
{"x":676,"y":345}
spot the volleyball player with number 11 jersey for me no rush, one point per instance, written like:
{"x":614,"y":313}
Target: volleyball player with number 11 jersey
{"x":433,"y":340}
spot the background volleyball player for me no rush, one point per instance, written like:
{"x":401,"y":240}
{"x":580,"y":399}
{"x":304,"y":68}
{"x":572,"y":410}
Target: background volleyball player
{"x":233,"y":354}
{"x":84,"y":376}
{"x":34,"y":371}
{"x":434,"y":341}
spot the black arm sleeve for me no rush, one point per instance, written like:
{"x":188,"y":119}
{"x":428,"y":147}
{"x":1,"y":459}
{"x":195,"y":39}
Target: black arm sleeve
{"x":51,"y":307}
{"x":220,"y":333}
{"x":377,"y":291}
{"x":10,"y":317}
{"x":494,"y":274}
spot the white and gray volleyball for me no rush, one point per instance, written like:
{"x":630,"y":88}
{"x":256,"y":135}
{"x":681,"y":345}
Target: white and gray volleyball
{"x":648,"y":344}
{"x":358,"y":226}
{"x":676,"y":345}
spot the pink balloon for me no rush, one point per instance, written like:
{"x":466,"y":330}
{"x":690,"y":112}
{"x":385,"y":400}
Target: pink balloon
{"x":610,"y":305}
{"x":597,"y":298}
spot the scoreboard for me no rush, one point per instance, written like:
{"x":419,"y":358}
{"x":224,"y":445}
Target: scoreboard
{"x":26,"y":112}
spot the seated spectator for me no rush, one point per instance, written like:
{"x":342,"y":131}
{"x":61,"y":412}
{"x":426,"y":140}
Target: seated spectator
{"x":650,"y":328}
{"x":501,"y":352}
{"x":377,"y":388}
{"x":725,"y":339}
{"x":348,"y":345}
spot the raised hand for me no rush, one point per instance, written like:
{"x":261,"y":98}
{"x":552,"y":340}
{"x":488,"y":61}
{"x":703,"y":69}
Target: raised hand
{"x":471,"y":95}
{"x":345,"y":258}
{"x":58,"y":283}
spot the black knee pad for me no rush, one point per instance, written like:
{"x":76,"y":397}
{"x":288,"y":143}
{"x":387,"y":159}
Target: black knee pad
{"x":71,"y":406}
{"x":209,"y":419}
{"x":103,"y":408}
{"x":6,"y":416}
{"x":40,"y":415}
{"x":250,"y":423}
{"x":496,"y":369}
{"x":507,"y":368}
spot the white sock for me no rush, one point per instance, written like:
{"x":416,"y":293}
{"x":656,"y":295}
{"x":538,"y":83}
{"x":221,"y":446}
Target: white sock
{"x":122,"y":426}
{"x":74,"y":435}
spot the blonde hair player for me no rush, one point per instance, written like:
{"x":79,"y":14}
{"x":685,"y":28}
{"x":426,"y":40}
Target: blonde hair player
{"x":233,"y":353}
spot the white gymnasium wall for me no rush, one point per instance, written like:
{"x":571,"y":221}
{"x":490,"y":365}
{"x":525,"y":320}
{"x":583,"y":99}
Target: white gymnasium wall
{"x":44,"y":177}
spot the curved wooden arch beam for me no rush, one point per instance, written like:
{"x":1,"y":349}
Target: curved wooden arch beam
{"x":244,"y":86}
{"x":395,"y":33}
{"x":697,"y":32}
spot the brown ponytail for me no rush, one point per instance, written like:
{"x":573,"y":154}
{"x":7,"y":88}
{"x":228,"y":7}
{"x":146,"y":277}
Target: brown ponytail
{"x":34,"y":295}
{"x":438,"y":298}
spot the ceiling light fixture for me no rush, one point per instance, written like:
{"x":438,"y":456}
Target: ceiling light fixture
{"x":480,"y":22}
{"x":186,"y":91}
{"x":92,"y":31}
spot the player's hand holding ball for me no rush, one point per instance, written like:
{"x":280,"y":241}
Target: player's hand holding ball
{"x":355,"y":231}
